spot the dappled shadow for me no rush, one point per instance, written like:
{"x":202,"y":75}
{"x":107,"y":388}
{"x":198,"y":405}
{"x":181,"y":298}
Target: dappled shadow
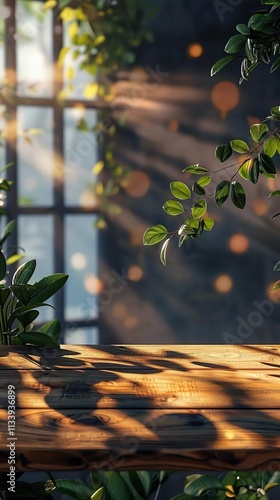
{"x":119,"y":406}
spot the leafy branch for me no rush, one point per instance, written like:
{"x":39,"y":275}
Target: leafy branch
{"x":257,"y":42}
{"x":258,"y":161}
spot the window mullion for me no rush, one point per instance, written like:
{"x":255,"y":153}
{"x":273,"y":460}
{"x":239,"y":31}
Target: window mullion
{"x":11,"y":110}
{"x":58,"y":170}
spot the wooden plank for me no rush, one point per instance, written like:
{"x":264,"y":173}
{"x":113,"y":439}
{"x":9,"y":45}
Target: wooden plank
{"x":122,"y":407}
{"x":132,"y":356}
{"x":225,"y":439}
{"x":192,"y":389}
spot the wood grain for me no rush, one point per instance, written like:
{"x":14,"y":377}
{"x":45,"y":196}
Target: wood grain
{"x":129,"y":407}
{"x":211,"y":388}
{"x":130,"y":356}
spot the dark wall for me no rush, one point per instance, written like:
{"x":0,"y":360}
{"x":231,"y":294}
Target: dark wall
{"x":180,"y":303}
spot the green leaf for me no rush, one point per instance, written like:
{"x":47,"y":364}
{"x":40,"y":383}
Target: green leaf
{"x":196,"y":169}
{"x":204,"y":181}
{"x":14,"y":258}
{"x":115,"y":486}
{"x":173,"y":207}
{"x":275,"y":478}
{"x":222,"y":192}
{"x":244,"y":170}
{"x":267,"y":166}
{"x":199,"y":208}
{"x":8,"y":229}
{"x":47,"y":287}
{"x":235,"y":43}
{"x":208,"y":223}
{"x":220,"y":64}
{"x":75,"y":489}
{"x":239,"y":146}
{"x":278,"y":142}
{"x":197,"y":189}
{"x":146,"y":481}
{"x":275,"y":112}
{"x":243,"y":29}
{"x":238,"y":195}
{"x":223,"y":152}
{"x":163,"y":251}
{"x":270,"y":146}
{"x":51,"y":328}
{"x":258,"y":131}
{"x":38,"y":490}
{"x":275,"y":65}
{"x":261,"y":22}
{"x":8,"y":165}
{"x":21,"y":292}
{"x":28,"y":317}
{"x":3,"y":266}
{"x":192,"y":222}
{"x":133,"y":482}
{"x":200,"y":229}
{"x":24,"y":272}
{"x":5,"y":293}
{"x":154,"y":234}
{"x":276,"y":286}
{"x":4,"y":185}
{"x":183,"y":237}
{"x":271,"y":2}
{"x":37,"y":338}
{"x":254,"y":171}
{"x":274,"y":193}
{"x":83,"y":126}
{"x":203,"y":484}
{"x":277,"y":266}
{"x":98,"y":40}
{"x":98,"y":495}
{"x":180,"y":190}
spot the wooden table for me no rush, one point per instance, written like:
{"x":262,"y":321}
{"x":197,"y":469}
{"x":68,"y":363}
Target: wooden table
{"x":211,"y":407}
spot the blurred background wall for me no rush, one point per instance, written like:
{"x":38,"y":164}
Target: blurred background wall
{"x":175,"y":115}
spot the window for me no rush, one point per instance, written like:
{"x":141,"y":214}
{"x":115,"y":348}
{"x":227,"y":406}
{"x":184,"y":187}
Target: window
{"x":51,"y":197}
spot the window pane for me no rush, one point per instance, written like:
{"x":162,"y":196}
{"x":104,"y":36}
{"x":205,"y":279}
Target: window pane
{"x":34,"y":49}
{"x":80,"y":154}
{"x":2,"y":140}
{"x":81,"y":264}
{"x":4,"y":14}
{"x":35,"y":155}
{"x":75,"y":80}
{"x":82,"y":336}
{"x":37,"y":244}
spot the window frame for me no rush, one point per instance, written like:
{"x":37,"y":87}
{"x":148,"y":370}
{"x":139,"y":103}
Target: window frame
{"x":58,"y":210}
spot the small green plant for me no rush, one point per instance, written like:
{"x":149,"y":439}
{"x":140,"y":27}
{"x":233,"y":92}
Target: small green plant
{"x":108,"y":485}
{"x":20,"y":300}
{"x":19,"y":303}
{"x":143,"y":485}
{"x":238,"y":485}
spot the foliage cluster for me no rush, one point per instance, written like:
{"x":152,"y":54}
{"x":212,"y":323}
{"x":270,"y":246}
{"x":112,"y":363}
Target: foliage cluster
{"x":20,"y":300}
{"x":258,"y":41}
{"x":255,"y":160}
{"x":141,"y":485}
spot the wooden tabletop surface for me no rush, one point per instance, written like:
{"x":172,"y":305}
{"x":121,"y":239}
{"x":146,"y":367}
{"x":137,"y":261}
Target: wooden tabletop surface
{"x":212,"y":407}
